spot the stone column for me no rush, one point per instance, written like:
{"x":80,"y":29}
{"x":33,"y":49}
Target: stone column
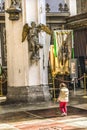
{"x":25,"y":79}
{"x":72,"y":7}
{"x":78,"y":6}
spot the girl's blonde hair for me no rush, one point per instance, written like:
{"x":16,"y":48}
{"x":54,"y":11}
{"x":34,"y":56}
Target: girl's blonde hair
{"x":63,"y":85}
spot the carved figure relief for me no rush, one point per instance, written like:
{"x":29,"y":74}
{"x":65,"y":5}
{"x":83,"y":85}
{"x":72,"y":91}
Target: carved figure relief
{"x":33,"y":40}
{"x":31,"y":32}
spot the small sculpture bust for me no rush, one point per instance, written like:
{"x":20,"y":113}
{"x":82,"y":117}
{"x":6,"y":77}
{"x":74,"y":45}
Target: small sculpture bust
{"x":13,"y":3}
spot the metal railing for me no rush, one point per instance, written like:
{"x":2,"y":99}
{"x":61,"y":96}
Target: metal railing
{"x":83,"y":77}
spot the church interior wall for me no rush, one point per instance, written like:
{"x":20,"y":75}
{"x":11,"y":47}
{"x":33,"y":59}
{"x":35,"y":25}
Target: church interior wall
{"x":54,"y":5}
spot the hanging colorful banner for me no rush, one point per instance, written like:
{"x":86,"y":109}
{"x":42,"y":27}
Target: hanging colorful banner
{"x":63,"y":49}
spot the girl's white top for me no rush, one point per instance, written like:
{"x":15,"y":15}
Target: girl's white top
{"x":64,"y":94}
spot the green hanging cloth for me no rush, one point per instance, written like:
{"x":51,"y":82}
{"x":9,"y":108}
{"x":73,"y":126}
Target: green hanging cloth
{"x":73,"y":45}
{"x":73,"y":53}
{"x":55,"y":46}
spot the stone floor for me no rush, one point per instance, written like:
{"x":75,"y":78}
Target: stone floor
{"x":71,"y":122}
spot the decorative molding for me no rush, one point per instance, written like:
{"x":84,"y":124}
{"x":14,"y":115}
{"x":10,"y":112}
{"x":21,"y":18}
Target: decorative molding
{"x":77,"y":21}
{"x":47,"y":7}
{"x":56,"y":19}
{"x":2,"y":17}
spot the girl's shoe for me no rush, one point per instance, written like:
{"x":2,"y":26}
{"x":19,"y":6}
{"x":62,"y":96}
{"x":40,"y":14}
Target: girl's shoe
{"x":64,"y":114}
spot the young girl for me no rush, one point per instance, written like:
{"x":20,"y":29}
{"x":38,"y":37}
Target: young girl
{"x":63,"y":98}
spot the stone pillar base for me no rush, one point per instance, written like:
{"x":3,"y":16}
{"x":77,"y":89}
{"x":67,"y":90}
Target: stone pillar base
{"x":31,"y":94}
